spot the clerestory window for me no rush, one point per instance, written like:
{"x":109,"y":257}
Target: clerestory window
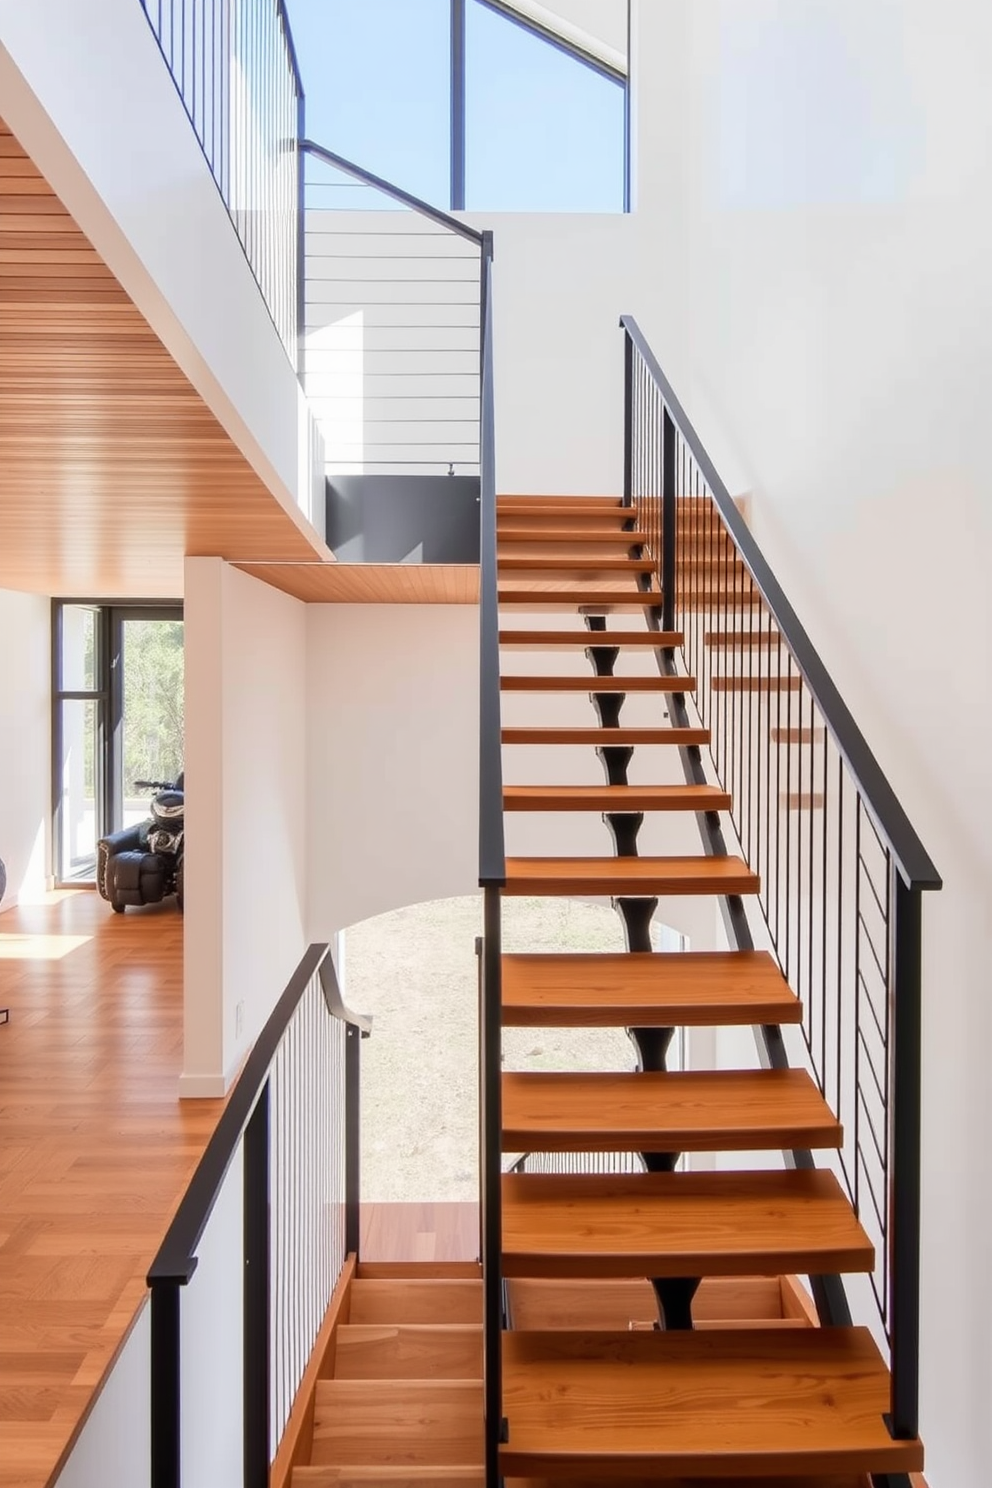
{"x":464,"y":103}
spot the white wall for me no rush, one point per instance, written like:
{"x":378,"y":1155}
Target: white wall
{"x":114,"y":1448}
{"x":246,"y":812}
{"x":560,"y":284}
{"x":392,"y":759}
{"x":834,"y":222}
{"x":85,"y":89}
{"x":25,"y":747}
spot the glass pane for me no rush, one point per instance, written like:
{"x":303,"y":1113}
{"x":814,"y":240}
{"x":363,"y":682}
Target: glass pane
{"x":377,"y":77}
{"x":153,"y":707}
{"x":78,"y":649}
{"x":77,"y":849}
{"x":544,"y":130}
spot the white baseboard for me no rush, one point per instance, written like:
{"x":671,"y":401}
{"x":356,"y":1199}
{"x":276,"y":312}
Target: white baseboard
{"x":203,"y":1087}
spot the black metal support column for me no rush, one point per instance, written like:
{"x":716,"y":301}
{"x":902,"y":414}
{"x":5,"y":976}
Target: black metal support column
{"x":256,"y":1295}
{"x":352,"y":1140}
{"x":669,"y":498}
{"x":458,"y":106}
{"x":165,"y":1403}
{"x":628,"y":420}
{"x":491,"y":1113}
{"x":904,"y":1235}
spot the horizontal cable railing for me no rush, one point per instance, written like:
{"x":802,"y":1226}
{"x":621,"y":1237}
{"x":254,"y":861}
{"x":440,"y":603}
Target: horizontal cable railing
{"x":289,"y":1135}
{"x":841,"y":867}
{"x":234,"y":66}
{"x":391,"y":331}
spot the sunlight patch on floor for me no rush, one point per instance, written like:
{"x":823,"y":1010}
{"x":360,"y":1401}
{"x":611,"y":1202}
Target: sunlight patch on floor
{"x":39,"y":947}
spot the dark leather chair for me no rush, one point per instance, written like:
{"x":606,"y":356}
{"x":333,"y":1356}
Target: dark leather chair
{"x":143,"y":864}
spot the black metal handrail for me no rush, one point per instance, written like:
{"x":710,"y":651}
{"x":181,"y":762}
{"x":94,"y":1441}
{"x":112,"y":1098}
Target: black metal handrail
{"x":405,"y":198}
{"x":244,"y":1122}
{"x":492,"y":878}
{"x":840,"y":872}
{"x":917,"y":867}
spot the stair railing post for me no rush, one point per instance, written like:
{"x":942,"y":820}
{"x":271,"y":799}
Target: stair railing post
{"x":628,"y":419}
{"x":257,"y":1285}
{"x":166,"y":1465}
{"x":352,"y":1139}
{"x":904,"y":1202}
{"x":668,"y":521}
{"x":490,"y":1018}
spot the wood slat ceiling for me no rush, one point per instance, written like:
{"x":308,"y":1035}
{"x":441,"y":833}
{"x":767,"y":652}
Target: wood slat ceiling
{"x":372,"y":583}
{"x":112,"y":467}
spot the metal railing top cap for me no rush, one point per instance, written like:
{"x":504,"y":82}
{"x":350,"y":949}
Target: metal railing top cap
{"x":908,"y":851}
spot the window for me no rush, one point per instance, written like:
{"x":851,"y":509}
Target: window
{"x":118,"y":717}
{"x":544,"y":129}
{"x":463,"y":103}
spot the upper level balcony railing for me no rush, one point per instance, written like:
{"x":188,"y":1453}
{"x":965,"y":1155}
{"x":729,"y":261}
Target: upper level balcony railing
{"x":234,"y":66}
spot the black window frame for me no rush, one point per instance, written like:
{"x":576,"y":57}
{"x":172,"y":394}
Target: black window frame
{"x":108,"y":694}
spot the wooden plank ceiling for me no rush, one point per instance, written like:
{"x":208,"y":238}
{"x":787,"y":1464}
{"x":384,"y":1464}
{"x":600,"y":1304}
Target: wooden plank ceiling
{"x":372,"y":583}
{"x":112,"y":467}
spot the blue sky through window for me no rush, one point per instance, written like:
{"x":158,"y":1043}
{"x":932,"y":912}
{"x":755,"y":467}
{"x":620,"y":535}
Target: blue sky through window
{"x":544,"y":131}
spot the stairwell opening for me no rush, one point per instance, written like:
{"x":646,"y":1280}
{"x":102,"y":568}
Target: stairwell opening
{"x":414,"y":971}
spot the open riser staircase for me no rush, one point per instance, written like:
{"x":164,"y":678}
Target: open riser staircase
{"x":676,"y":1399}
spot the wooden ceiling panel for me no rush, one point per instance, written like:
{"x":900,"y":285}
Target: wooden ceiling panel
{"x":112,"y":468}
{"x":372,"y":583}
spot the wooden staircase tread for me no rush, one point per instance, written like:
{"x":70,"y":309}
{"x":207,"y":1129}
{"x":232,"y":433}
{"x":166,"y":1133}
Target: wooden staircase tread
{"x":845,"y":1480}
{"x":592,"y":683}
{"x":408,"y":1351}
{"x":680,"y":1224}
{"x":632,"y":876}
{"x":398,"y":1423}
{"x":506,"y":531}
{"x":690,"y":1111}
{"x":759,"y":1404}
{"x":607,"y":737}
{"x":615,"y":798}
{"x":387,"y":1477}
{"x":418,"y":1270}
{"x":587,"y":639}
{"x":586,"y":598}
{"x":414,"y":1300}
{"x":581,"y":1304}
{"x":645,"y":989}
{"x":509,"y":500}
{"x":572,"y":563}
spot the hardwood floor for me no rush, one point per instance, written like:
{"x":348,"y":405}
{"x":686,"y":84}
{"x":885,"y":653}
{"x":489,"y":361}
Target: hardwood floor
{"x":95,"y":1152}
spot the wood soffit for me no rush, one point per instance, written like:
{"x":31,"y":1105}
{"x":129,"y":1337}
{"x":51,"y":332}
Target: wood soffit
{"x":112,"y":468}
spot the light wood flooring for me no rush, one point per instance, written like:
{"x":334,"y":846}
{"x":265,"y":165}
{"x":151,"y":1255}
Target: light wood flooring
{"x":95,"y":1152}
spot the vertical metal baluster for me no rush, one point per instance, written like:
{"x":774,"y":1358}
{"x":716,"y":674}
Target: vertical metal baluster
{"x":823,"y":918}
{"x":857,"y":1006}
{"x":810,"y":897}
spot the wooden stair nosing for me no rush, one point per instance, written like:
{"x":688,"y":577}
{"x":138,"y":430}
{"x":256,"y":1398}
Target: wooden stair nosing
{"x":631,"y":538}
{"x":618,"y":798}
{"x":633,"y":877}
{"x":678,"y":1111}
{"x":645,"y":989}
{"x":714,"y":1404}
{"x":586,"y":599}
{"x":527,"y":683}
{"x":727,"y":1223}
{"x":588,"y":640}
{"x":390,"y":1477}
{"x":573,"y":563}
{"x":605,"y":738}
